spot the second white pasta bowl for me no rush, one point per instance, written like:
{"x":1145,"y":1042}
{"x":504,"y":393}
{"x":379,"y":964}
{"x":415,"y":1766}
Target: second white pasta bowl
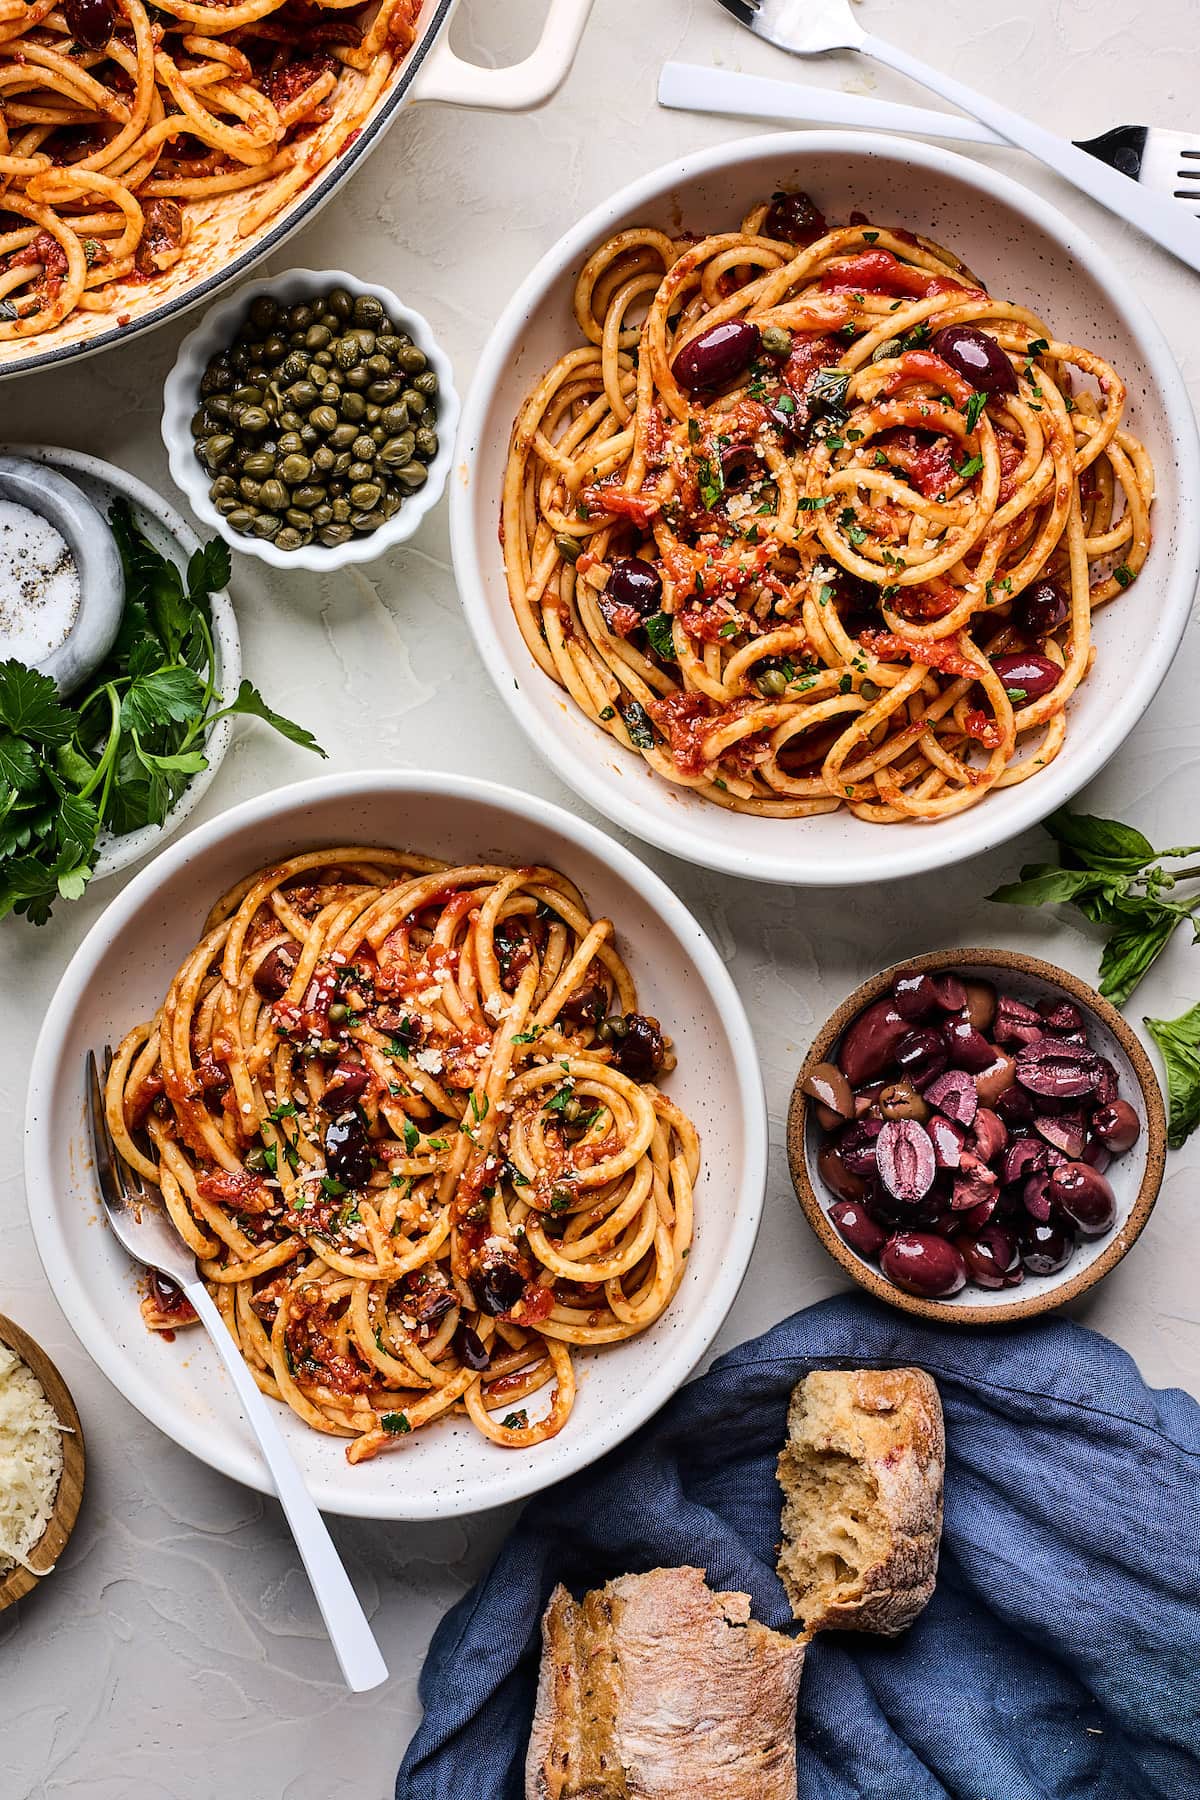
{"x":1027,"y":253}
{"x":120,"y":975}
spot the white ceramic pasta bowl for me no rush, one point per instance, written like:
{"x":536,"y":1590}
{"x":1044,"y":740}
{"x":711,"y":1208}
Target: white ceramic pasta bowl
{"x":181,"y":399}
{"x":119,"y":976}
{"x":1026,"y":251}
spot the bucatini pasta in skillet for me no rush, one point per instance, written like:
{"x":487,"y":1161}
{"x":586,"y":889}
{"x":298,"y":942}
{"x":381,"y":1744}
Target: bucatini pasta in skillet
{"x":812,"y":521}
{"x":407,"y":1117}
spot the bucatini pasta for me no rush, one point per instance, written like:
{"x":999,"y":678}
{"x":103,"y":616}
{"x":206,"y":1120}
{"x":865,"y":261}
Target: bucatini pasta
{"x":407,"y":1118}
{"x":811,"y":520}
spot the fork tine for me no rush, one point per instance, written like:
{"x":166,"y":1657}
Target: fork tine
{"x":112,"y":1188}
{"x":744,"y":11}
{"x":131,"y":1180}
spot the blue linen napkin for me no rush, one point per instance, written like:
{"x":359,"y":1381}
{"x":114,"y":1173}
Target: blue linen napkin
{"x":1059,"y":1658}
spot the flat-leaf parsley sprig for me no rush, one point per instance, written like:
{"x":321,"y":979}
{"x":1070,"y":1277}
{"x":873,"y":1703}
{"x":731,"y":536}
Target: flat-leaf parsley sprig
{"x":1115,"y":877}
{"x":119,"y":755}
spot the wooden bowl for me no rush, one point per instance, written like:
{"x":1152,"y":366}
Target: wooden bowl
{"x":50,"y":1545}
{"x":1136,"y":1176}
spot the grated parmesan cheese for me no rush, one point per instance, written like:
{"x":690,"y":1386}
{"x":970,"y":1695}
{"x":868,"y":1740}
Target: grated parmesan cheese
{"x":31,"y":1461}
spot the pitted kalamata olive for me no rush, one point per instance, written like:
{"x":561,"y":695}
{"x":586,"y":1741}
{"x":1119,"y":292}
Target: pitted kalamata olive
{"x":1108,"y":1087}
{"x":923,"y":1264}
{"x":856,"y":1146}
{"x":973,"y":1185}
{"x":1060,"y":1016}
{"x":989,"y":1135}
{"x":954,"y":1094}
{"x":717,"y":356}
{"x":947,"y":1139}
{"x":914,"y":996}
{"x":1041,"y":609}
{"x":795,"y":219}
{"x":951,"y":991}
{"x":992,"y":1257}
{"x":1015,"y":1106}
{"x":1024,"y":1156}
{"x":836,"y":1175}
{"x":905,"y":1158}
{"x":634,"y":582}
{"x":973,"y":1218}
{"x":1065,"y":1130}
{"x":274,"y":973}
{"x":1034,"y":1197}
{"x":739,"y":464}
{"x":870,"y":1043}
{"x":90,"y":22}
{"x":1026,"y":675}
{"x":1016,"y":1023}
{"x":1096,"y":1155}
{"x":641,"y":1050}
{"x":1045,"y":1248}
{"x":900,"y":1100}
{"x":856,"y":1226}
{"x":828,"y":1086}
{"x":1117,"y":1126}
{"x":1056,"y":1070}
{"x":981,"y":1004}
{"x":866,"y":1100}
{"x":348,"y":1152}
{"x":921,"y":1054}
{"x":995,"y":1080}
{"x":501,"y":1283}
{"x":977,"y":357}
{"x":345,"y":1085}
{"x":968,"y":1048}
{"x":883,"y":1207}
{"x":470,"y":1348}
{"x":1085,"y":1196}
{"x":584,"y":1007}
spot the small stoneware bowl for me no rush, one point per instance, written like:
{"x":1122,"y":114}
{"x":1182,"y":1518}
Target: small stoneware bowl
{"x":49,"y":1547}
{"x":97,"y":562}
{"x":1135,"y":1177}
{"x":181,"y":398}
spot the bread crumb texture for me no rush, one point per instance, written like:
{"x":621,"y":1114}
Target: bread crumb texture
{"x":654,"y":1687}
{"x":862,"y":1474}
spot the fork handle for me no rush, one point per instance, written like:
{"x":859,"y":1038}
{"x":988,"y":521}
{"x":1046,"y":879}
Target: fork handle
{"x":351,"y":1636}
{"x":1159,"y":216}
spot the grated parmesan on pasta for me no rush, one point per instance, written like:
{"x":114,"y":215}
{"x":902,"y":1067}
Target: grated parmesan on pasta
{"x":31,"y":1461}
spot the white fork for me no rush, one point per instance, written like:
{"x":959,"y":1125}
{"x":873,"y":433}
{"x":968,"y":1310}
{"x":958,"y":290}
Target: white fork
{"x":809,"y":27}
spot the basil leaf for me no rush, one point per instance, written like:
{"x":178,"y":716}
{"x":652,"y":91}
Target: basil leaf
{"x":1131,"y":951}
{"x":1043,"y":885}
{"x":1179,"y":1041}
{"x":1102,"y":843}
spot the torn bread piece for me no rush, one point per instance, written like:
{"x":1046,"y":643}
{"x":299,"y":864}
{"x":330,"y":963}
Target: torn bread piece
{"x":653,"y":1687}
{"x":862,"y":1477}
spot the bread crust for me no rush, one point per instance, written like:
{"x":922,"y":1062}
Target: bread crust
{"x":655,"y":1687}
{"x":887,"y":1422}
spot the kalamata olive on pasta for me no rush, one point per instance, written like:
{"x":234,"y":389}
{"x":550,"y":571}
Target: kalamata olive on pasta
{"x":795,"y":219}
{"x":634,"y":582}
{"x":583,"y":1008}
{"x":1027,"y":675}
{"x":348,"y":1152}
{"x":276,"y":969}
{"x":640,"y":1051}
{"x":1117,"y":1126}
{"x":501,"y":1283}
{"x":857,"y":1228}
{"x":717,"y":356}
{"x":1041,"y":609}
{"x":923,"y":1264}
{"x":977,"y":357}
{"x":90,"y":22}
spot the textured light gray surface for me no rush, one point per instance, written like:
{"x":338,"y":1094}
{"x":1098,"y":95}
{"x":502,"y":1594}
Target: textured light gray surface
{"x":177,"y":1654}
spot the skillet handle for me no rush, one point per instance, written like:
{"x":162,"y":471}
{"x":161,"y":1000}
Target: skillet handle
{"x":446,"y":77}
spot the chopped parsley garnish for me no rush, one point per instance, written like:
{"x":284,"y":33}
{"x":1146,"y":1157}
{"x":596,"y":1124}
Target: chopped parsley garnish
{"x":637,"y":724}
{"x":395,"y":1424}
{"x":660,"y":632}
{"x":412,"y":1136}
{"x":1123,"y":574}
{"x":974,"y":409}
{"x":812,"y":502}
{"x":972,"y":466}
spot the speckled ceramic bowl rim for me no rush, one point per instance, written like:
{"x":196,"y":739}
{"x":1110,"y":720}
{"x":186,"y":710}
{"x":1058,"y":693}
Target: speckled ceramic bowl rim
{"x":181,"y":397}
{"x":746,"y":1183}
{"x":1059,"y":1289}
{"x":907,"y":849}
{"x":117,"y":853}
